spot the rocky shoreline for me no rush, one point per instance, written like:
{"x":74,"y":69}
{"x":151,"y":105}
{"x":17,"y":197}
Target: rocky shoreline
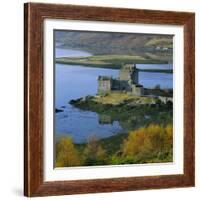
{"x":131,"y":113}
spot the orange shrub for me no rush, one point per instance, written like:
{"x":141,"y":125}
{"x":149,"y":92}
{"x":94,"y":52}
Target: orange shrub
{"x":148,"y":142}
{"x":66,"y":154}
{"x":94,"y":154}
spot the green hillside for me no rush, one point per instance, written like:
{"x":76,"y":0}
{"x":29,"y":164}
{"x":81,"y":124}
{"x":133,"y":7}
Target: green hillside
{"x":117,"y":43}
{"x":111,"y":61}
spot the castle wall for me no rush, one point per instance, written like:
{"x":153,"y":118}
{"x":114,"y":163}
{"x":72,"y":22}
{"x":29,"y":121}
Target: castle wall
{"x":137,"y":90}
{"x":135,"y":77}
{"x":116,"y":84}
{"x":125,"y":85}
{"x":128,"y":76}
{"x":104,"y":86}
{"x":124,"y":75}
{"x":128,"y":73}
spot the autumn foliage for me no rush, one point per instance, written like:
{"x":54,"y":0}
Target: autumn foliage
{"x":94,"y":154}
{"x":66,"y":153}
{"x":150,"y":144}
{"x":153,"y":142}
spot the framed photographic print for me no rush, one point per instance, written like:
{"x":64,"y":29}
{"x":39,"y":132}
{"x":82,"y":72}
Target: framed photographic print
{"x":109,"y":99}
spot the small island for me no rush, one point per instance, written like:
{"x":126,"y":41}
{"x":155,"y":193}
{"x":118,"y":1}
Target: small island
{"x":126,"y":89}
{"x":124,"y":99}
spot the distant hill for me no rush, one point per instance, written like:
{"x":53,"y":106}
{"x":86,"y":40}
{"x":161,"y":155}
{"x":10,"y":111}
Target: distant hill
{"x":117,"y":43}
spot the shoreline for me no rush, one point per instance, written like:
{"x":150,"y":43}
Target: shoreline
{"x":108,"y":65}
{"x":131,"y":112}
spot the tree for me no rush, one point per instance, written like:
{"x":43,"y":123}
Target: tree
{"x":94,"y":154}
{"x":66,"y":154}
{"x":154,"y":141}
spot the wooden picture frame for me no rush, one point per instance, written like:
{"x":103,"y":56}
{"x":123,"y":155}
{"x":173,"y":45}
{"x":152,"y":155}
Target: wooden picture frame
{"x":34,"y":15}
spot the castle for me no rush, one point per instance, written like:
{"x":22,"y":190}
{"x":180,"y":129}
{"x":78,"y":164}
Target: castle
{"x":127,"y":81}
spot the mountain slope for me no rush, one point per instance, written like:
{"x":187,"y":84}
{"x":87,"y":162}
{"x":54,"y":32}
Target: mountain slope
{"x":100,"y":43}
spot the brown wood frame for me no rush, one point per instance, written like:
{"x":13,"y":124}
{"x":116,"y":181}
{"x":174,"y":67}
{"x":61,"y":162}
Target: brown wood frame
{"x":34,"y":15}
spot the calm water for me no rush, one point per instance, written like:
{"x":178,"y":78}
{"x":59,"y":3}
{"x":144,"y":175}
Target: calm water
{"x":72,"y":82}
{"x":61,"y":52}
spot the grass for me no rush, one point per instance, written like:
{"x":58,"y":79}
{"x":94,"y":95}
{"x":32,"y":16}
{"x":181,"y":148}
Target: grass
{"x":116,"y":98}
{"x":164,"y":42}
{"x":109,"y":61}
{"x":162,"y":56}
{"x":116,"y":58}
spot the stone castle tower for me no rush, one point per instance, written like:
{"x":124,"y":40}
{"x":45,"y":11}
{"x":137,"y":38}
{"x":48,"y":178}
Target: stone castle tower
{"x":127,"y":82}
{"x":129,"y":72}
{"x":105,"y":84}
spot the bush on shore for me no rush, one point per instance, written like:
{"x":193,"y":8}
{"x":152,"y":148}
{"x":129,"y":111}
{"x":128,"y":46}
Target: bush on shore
{"x":66,"y":153}
{"x":150,"y":144}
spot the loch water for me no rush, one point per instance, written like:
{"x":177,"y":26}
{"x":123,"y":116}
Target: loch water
{"x":76,"y":81}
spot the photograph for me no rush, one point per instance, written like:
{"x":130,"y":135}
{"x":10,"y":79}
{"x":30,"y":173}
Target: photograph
{"x":109,"y":99}
{"x":113,"y":98}
{"x":100,"y":100}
